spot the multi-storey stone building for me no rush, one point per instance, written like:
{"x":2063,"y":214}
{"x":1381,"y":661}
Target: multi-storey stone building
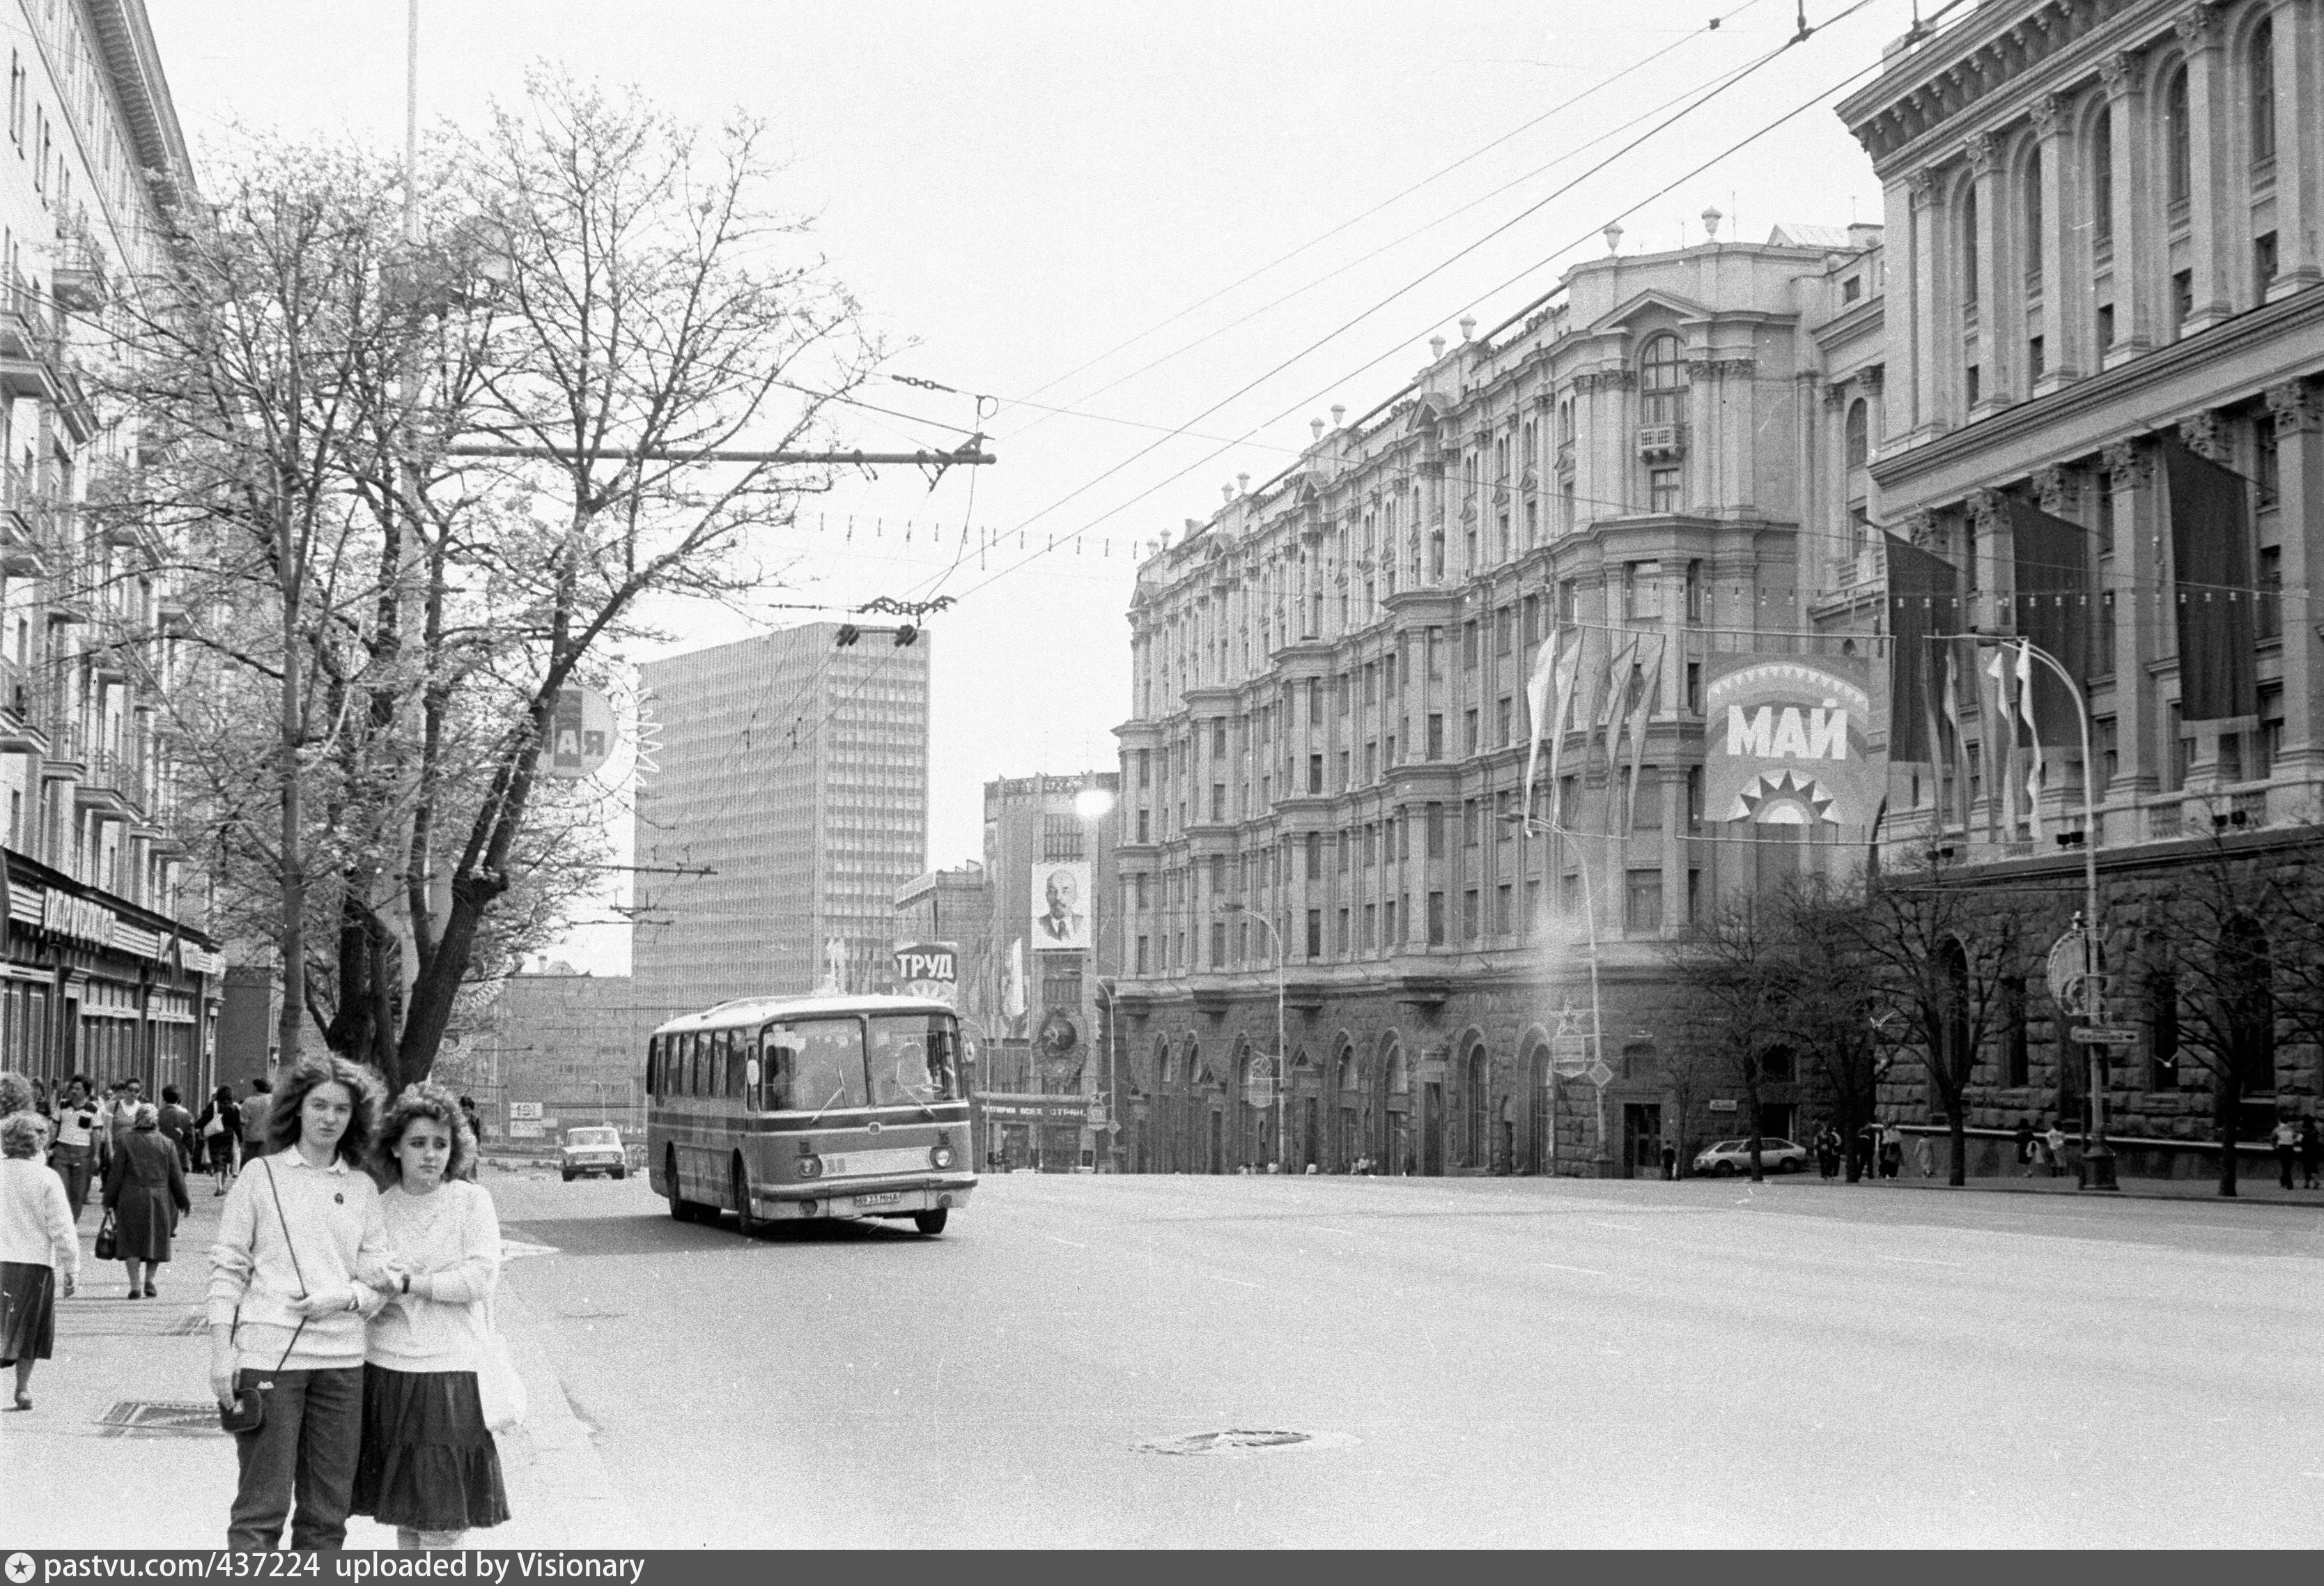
{"x":1321,"y":771}
{"x":2103,"y":228}
{"x":795,"y":769}
{"x":103,"y":965}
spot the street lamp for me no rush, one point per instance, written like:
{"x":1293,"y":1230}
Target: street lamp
{"x":2097,"y":1158}
{"x":1532,"y":827}
{"x":1282,"y":1045}
{"x":1092,"y":804}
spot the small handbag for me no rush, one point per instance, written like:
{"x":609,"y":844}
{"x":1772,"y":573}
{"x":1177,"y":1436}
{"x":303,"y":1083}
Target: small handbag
{"x":247,"y":1411}
{"x":500,"y":1391}
{"x":108,"y":1243}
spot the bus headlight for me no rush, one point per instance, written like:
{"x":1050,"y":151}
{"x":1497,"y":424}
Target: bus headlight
{"x":940,"y":1156}
{"x":810,"y":1167}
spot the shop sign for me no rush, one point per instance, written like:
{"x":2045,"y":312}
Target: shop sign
{"x":63,"y":914}
{"x":529,"y":1109}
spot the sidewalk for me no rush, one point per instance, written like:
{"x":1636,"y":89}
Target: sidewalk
{"x":2265,"y":1192}
{"x":77,"y":1476}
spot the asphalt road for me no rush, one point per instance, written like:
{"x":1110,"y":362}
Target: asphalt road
{"x":1476,"y":1362}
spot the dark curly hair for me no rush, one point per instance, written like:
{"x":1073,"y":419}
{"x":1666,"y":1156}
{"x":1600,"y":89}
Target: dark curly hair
{"x":426,"y":1100}
{"x":290,"y":1100}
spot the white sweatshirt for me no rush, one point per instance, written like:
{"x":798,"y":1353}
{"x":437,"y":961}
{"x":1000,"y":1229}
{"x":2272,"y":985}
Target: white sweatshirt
{"x":333,"y":1227}
{"x":36,"y":1223}
{"x":449,"y":1241}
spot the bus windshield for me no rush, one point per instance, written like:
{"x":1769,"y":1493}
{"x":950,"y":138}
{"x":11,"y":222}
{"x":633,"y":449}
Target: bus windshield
{"x":822,"y":1059}
{"x":912,"y":1060}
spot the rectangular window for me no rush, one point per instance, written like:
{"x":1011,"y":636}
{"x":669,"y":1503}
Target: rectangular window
{"x":1468,"y":732}
{"x":1435,"y":919}
{"x":1435,"y":736}
{"x":1973,"y":385}
{"x":1340,"y":942}
{"x":1218,"y":944}
{"x":1642,"y":911}
{"x":2183,"y":297}
{"x":1314,"y":934}
{"x":1145,"y":826}
{"x":1145,"y":767}
{"x":2110,"y":751}
{"x":2267,"y":743}
{"x":1388,"y":937}
{"x":1694,"y":687}
{"x":2034,"y":363}
{"x":1469,"y":647}
{"x":1504,"y":900}
{"x":2270,"y":615}
{"x":1314,"y":774}
{"x":1649,"y":800}
{"x":1505,"y":623}
{"x":1061,"y":837}
{"x":2263,"y":264}
{"x":1217,"y":801}
{"x":1470,"y":924}
{"x":2182,"y":752}
{"x":1347,"y":850}
{"x":1694,"y":897}
{"x":1314,"y":856}
{"x":1435,"y":823}
{"x":1505,"y":728}
{"x":1662,"y":490}
{"x":1469,"y":823}
{"x":1140,"y":970}
{"x":2106,"y":326}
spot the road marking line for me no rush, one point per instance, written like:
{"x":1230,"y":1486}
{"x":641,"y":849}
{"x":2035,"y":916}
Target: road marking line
{"x":1585,"y":1271}
{"x":1920,"y":1260}
{"x":1223,"y":1277}
{"x":1344,"y":1233}
{"x":1053,"y":1240}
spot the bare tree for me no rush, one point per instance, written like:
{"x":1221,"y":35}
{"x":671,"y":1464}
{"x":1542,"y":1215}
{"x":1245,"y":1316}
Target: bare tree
{"x":1833,"y":1020}
{"x":1737,"y":982}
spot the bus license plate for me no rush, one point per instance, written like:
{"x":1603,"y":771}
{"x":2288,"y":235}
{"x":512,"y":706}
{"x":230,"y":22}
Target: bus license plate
{"x":889,"y":1198}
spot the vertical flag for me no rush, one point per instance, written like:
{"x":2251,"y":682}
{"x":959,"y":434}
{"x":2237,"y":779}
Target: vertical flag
{"x":1650,"y":661}
{"x":2001,"y":743}
{"x":1952,"y":719}
{"x":2210,"y":556}
{"x":1541,"y":688}
{"x":2025,"y":675}
{"x":2054,"y":578}
{"x":1923,"y":601}
{"x":1568,"y":678}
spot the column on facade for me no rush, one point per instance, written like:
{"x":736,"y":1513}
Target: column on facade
{"x":2138,"y":230}
{"x":2065,"y":248}
{"x":1734,"y":397}
{"x":2298,"y":409}
{"x":2299,"y":151}
{"x":1906,"y":204}
{"x":1823,"y":474}
{"x":2214,"y":232}
{"x":2139,"y":585}
{"x":1985,"y":348}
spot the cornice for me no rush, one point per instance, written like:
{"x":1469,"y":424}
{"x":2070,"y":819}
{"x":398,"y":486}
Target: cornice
{"x":2220,"y":344}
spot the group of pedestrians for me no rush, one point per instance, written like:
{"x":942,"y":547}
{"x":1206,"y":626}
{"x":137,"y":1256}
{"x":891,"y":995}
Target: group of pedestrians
{"x":349,"y":1283}
{"x":2302,"y":1143}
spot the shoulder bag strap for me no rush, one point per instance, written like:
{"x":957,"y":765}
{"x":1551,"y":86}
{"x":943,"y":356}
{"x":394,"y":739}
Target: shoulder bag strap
{"x":295,"y":1268}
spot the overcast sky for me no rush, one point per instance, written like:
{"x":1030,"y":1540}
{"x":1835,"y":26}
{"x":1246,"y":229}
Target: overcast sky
{"x":1073,"y":205}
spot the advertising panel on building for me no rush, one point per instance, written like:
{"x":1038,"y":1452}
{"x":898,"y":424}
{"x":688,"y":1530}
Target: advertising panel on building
{"x":1787,"y":742}
{"x":1061,"y":920}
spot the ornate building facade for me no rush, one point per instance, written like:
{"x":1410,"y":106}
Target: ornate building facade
{"x":1325,"y":826}
{"x":2104,"y":237}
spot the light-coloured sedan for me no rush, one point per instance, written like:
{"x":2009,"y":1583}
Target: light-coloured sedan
{"x":1729,"y":1156}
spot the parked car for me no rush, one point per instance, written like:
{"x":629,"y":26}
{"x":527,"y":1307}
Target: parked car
{"x":593,"y":1150}
{"x":1726,"y":1156}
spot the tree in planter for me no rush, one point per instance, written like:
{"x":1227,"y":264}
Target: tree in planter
{"x":1936,"y":952}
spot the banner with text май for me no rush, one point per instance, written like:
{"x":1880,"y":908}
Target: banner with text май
{"x":1785,"y":742}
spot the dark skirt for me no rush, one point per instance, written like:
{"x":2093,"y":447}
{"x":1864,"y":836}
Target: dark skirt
{"x":28,"y":1311}
{"x":428,"y":1460}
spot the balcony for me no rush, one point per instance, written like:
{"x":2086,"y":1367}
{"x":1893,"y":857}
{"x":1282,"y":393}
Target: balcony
{"x":1662,"y":442}
{"x":72,"y":402}
{"x":21,"y":731}
{"x":109,"y":785}
{"x":68,"y":754}
{"x":81,"y":281}
{"x":28,"y":344}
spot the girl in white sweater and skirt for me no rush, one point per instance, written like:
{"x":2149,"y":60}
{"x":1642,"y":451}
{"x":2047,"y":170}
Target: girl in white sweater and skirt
{"x":429,"y":1466}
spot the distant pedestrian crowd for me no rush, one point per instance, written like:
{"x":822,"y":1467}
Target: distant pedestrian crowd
{"x":353,"y":1354}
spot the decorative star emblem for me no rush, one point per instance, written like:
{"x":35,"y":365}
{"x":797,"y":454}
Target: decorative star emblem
{"x":1784,"y":801}
{"x":1569,"y":1019}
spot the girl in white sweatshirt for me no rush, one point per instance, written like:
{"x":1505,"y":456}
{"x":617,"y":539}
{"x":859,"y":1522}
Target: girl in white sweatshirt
{"x":429,"y":1466}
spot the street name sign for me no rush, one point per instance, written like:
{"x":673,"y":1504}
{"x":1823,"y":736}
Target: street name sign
{"x":2103,"y":1036}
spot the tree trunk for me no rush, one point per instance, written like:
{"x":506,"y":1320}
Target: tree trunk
{"x":1957,"y":1135}
{"x":293,"y":938}
{"x":2226,"y":1108}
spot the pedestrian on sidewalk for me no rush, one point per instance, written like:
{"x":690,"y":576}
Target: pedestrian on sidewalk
{"x":1892,"y":1151}
{"x":145,"y":1190}
{"x":301,"y":1254}
{"x":39,"y":1246}
{"x":78,"y":1135}
{"x":2285,"y":1139}
{"x":1926,"y":1154}
{"x":2056,"y":1142}
{"x":256,"y":1108}
{"x":2024,"y":1147}
{"x":1827,"y":1152}
{"x":429,"y":1465}
{"x":178,"y":1126}
{"x":476,"y":1134}
{"x":1670,"y":1163}
{"x":2311,"y":1151}
{"x":220,"y":1126}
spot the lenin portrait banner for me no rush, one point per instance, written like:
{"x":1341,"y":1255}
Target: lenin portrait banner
{"x":1783,"y":741}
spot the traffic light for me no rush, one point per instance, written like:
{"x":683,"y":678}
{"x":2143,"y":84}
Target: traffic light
{"x":906,"y":635}
{"x":848,"y":633}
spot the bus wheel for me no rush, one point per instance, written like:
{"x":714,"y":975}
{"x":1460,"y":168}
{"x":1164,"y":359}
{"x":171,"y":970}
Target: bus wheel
{"x":745,"y":1220}
{"x":680,"y":1208}
{"x":930,"y":1223}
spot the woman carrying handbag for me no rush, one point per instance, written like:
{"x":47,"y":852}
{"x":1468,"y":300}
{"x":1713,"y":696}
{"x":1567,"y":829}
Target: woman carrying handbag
{"x":302,"y":1253}
{"x":144,"y":1196}
{"x":429,"y":1466}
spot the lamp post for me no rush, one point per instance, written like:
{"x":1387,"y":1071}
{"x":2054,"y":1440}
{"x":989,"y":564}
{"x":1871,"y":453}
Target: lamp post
{"x":2097,"y":1158}
{"x":1532,"y":827}
{"x":1282,"y":1046}
{"x":1094,"y":805}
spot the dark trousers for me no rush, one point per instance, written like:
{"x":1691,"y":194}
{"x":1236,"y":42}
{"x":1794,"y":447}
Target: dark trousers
{"x":2283,"y":1155}
{"x":77,"y":1165}
{"x":307,"y":1447}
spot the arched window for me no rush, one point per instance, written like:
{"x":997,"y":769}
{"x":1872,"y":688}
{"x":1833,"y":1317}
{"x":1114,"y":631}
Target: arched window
{"x":1399,"y":1082}
{"x":2102,"y":178}
{"x":1662,"y":381}
{"x":2246,"y":985}
{"x":1859,"y":437}
{"x":2033,"y":207}
{"x":2178,"y":158}
{"x":1969,"y":245}
{"x":1351,"y":1076}
{"x":1958,"y":1055}
{"x":1166,"y":1071}
{"x":1541,"y":1093}
{"x":2262,"y":91}
{"x":1480,"y":1148}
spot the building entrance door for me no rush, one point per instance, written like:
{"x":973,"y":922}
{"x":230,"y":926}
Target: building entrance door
{"x":1218,"y":1141}
{"x":1400,"y":1144}
{"x":1642,"y":1128}
{"x":1431,"y":1130}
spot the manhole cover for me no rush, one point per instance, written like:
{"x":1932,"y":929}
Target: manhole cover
{"x":1204,"y":1442}
{"x":154,"y":1418}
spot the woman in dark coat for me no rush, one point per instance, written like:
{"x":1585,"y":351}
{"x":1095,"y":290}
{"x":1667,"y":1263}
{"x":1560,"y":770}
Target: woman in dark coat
{"x":145,"y":1190}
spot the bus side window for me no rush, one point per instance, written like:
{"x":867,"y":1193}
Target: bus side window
{"x":653,"y":1062}
{"x":775,"y":1070}
{"x":718,"y":1047}
{"x":738,"y":1060}
{"x":693,"y":1040}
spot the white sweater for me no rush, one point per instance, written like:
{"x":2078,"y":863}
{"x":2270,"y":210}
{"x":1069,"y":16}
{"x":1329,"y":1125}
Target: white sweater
{"x":334,"y":1230}
{"x":36,"y":1222}
{"x":449,"y":1241}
